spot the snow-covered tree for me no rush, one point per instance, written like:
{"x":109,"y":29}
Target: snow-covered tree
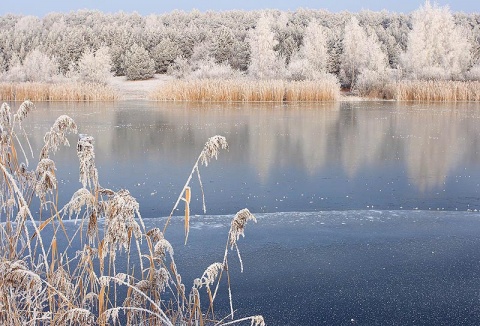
{"x":315,"y":46}
{"x":36,"y":67}
{"x":39,"y":67}
{"x":311,"y":60}
{"x":138,"y":64}
{"x":95,"y":66}
{"x":436,"y":48}
{"x":180,"y":68}
{"x":15,"y":72}
{"x":264,"y":62}
{"x":164,"y":53}
{"x":361,"y":51}
{"x":222,"y":45}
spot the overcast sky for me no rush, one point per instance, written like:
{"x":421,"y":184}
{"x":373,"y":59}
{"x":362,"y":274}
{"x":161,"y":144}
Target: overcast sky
{"x":145,"y":7}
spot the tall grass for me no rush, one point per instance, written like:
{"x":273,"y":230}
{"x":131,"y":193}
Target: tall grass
{"x":43,"y":281}
{"x":437,"y":91}
{"x":243,"y":90}
{"x":68,"y":91}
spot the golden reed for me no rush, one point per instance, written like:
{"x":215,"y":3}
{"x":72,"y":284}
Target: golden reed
{"x":211,"y":90}
{"x":437,"y":91}
{"x":74,"y":92}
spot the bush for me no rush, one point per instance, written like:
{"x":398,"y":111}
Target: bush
{"x":375,"y":84}
{"x":208,"y":69}
{"x":473,"y":73}
{"x":95,"y":67}
{"x":36,"y":67}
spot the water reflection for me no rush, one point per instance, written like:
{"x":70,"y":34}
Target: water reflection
{"x":359,"y":148}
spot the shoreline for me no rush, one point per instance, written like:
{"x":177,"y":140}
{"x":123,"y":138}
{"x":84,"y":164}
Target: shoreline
{"x":118,"y":88}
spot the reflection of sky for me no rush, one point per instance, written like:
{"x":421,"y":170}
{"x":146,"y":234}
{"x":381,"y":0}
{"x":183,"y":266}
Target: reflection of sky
{"x":308,"y":157}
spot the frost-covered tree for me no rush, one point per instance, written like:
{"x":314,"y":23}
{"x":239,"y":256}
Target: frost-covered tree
{"x":222,"y":45}
{"x":310,"y":61}
{"x":164,"y":53}
{"x":180,"y":68}
{"x":436,"y":48}
{"x":361,"y":51}
{"x":95,"y":66}
{"x":138,"y":64}
{"x":3,"y":63}
{"x":15,"y":72}
{"x":315,"y":46}
{"x":209,"y":69}
{"x":264,"y":62}
{"x":39,"y":67}
{"x":36,"y":67}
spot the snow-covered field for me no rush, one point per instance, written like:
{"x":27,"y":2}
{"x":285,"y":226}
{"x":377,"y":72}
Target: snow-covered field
{"x":136,"y":89}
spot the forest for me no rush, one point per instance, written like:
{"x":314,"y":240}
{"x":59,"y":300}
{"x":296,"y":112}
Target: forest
{"x":361,"y":51}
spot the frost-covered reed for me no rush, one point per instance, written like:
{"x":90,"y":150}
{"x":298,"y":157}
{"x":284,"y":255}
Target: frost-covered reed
{"x":437,"y":91}
{"x":245,"y":90}
{"x":72,"y":277}
{"x":68,"y":91}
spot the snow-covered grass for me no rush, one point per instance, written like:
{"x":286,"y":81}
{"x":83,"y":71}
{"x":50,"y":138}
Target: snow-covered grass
{"x":244,"y":90}
{"x":136,"y":89}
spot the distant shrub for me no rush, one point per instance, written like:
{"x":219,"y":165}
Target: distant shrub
{"x":95,"y":67}
{"x":138,"y":64}
{"x":179,"y":68}
{"x":208,"y":69}
{"x":36,"y":67}
{"x":473,"y":73}
{"x":376,"y":84}
{"x":302,"y":69}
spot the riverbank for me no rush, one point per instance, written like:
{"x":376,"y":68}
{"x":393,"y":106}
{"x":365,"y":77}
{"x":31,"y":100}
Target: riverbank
{"x":167,"y":88}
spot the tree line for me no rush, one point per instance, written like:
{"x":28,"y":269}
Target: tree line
{"x":358,"y":48}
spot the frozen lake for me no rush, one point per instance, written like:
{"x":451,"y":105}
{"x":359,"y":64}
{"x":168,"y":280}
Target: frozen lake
{"x":358,"y":155}
{"x":367,"y":210}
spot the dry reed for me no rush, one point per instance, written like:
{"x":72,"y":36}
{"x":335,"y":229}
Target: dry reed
{"x":68,"y":91}
{"x":437,"y":91}
{"x":44,"y":284}
{"x":243,"y":90}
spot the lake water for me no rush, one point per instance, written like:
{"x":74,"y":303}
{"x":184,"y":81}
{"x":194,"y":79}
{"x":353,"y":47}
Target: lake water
{"x":358,"y":155}
{"x":367,"y":210}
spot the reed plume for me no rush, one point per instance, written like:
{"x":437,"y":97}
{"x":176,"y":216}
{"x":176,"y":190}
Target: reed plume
{"x":57,"y":135}
{"x":86,"y":156}
{"x":46,"y":284}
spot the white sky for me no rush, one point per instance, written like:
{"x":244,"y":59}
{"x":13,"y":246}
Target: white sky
{"x":145,"y":7}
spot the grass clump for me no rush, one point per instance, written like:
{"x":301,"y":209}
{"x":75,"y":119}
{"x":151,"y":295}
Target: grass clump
{"x":69,"y":91}
{"x":52,"y":275}
{"x":244,"y":90}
